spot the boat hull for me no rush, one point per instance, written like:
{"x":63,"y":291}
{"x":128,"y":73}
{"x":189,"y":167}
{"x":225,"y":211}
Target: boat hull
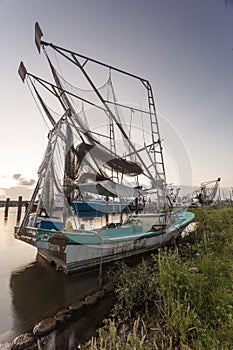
{"x":79,"y":250}
{"x":80,"y":257}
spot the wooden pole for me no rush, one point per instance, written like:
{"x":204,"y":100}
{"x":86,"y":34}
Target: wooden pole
{"x":19,"y":208}
{"x":7,"y":204}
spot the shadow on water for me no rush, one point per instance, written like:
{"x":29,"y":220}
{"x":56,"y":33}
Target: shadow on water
{"x":39,"y":291}
{"x":31,"y":291}
{"x":80,"y":329}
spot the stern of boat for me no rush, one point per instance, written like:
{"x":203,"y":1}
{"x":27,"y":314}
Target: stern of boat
{"x":28,"y":235}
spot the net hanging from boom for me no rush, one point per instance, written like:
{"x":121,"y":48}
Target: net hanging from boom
{"x":99,"y":139}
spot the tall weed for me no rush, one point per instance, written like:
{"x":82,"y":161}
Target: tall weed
{"x":179,"y":299}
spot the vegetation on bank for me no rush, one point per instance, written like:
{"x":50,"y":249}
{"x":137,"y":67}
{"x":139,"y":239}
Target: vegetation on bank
{"x":181,"y":298}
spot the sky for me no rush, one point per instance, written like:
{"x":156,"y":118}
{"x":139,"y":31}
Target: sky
{"x":183,"y":47}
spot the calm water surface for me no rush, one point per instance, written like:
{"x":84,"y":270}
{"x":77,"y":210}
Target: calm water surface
{"x":29,"y":291}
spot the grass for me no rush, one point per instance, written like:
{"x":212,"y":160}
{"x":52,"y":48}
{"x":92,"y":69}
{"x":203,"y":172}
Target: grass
{"x":181,"y":298}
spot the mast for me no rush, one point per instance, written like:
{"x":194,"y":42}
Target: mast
{"x":154,"y":152}
{"x":74,"y":58}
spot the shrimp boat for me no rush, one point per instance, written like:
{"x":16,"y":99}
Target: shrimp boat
{"x":102,"y":143}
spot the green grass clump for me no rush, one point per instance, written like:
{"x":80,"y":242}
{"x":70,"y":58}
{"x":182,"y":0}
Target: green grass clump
{"x":181,"y":298}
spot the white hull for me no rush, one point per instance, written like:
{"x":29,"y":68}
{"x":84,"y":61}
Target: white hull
{"x":83,"y":249}
{"x":80,"y":256}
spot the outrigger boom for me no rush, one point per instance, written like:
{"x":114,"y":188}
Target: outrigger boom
{"x":99,"y":148}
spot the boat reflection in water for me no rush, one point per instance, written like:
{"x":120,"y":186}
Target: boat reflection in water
{"x":38,"y":291}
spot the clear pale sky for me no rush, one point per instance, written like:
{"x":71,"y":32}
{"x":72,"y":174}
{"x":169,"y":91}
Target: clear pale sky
{"x":183,"y":47}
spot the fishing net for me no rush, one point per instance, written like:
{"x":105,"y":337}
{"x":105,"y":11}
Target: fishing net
{"x":103,"y":135}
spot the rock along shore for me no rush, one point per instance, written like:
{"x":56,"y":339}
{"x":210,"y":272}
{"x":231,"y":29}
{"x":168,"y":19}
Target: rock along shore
{"x":34,"y":338}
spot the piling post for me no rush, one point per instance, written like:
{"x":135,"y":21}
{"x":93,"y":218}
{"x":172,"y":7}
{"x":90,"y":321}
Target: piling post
{"x":19,"y":208}
{"x":7,"y":204}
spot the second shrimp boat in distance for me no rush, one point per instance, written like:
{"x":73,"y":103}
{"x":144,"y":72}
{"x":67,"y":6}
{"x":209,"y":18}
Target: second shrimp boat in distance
{"x":104,"y":142}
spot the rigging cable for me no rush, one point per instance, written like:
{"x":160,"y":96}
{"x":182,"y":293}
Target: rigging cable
{"x":37,"y":103}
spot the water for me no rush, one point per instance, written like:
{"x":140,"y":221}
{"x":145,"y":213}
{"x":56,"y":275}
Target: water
{"x":31,"y":291}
